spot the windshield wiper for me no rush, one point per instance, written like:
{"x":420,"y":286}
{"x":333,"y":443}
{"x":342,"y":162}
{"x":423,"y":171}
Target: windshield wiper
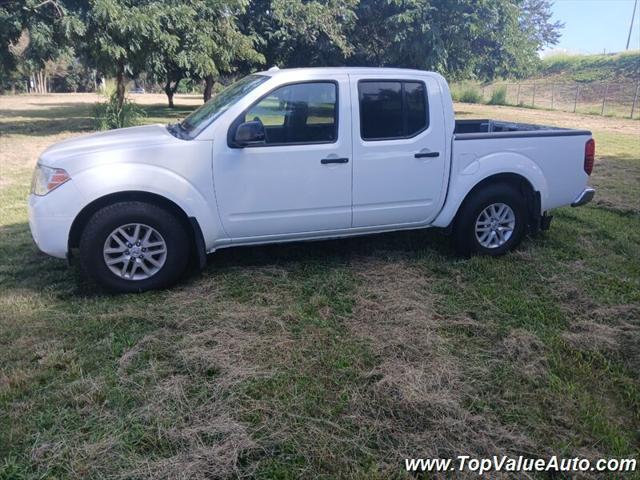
{"x":178,"y":131}
{"x":185,"y":126}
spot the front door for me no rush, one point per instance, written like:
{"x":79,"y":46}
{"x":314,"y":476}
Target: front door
{"x":399,"y":150}
{"x":299,"y":180}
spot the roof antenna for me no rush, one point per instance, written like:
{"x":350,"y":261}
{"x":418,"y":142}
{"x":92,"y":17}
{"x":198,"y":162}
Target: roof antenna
{"x":273,"y":69}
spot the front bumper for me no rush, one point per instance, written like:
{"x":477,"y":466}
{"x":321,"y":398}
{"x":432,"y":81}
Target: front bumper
{"x":585,"y":197}
{"x":51,"y":217}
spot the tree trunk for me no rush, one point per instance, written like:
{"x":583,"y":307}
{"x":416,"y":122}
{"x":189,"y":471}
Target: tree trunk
{"x":208,"y":87}
{"x":120,"y":84}
{"x":171,"y":90}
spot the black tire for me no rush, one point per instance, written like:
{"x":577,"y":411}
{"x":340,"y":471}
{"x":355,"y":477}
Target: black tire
{"x":106,"y":220}
{"x":464,"y":233}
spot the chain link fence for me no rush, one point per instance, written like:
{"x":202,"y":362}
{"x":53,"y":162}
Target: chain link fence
{"x":601,"y":98}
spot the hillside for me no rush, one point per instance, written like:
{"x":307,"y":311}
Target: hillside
{"x":619,"y":67}
{"x":594,"y":84}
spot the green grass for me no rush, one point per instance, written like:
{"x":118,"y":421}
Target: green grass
{"x":322,"y":360}
{"x":623,"y":66}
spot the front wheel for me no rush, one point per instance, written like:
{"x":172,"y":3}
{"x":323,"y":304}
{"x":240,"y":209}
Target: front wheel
{"x":491,"y":221}
{"x":134,"y":246}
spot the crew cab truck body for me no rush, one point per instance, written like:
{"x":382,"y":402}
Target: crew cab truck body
{"x":300,"y":154}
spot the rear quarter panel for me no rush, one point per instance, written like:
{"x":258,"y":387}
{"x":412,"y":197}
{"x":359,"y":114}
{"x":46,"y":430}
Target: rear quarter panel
{"x":552,"y":164}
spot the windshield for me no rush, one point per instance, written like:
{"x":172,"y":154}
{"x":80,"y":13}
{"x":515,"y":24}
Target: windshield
{"x":207,"y":113}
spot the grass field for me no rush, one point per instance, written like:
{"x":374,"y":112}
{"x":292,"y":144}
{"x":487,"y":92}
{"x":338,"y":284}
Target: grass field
{"x":327,"y":359}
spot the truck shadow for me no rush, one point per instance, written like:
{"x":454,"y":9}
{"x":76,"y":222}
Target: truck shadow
{"x":408,"y":244}
{"x":23,"y":267}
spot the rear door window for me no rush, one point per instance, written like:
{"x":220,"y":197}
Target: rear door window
{"x":391,"y":109}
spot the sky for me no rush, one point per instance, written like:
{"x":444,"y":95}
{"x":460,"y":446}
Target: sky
{"x":592,"y":26}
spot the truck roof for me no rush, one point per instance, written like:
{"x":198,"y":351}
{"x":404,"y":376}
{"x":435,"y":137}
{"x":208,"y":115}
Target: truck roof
{"x":274,"y":71}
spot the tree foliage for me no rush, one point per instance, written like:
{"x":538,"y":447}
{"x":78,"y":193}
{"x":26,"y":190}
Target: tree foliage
{"x":460,"y":38}
{"x":302,"y":33}
{"x":32,"y":34}
{"x":206,"y":39}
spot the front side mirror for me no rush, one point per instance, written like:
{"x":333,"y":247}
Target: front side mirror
{"x":249,"y":133}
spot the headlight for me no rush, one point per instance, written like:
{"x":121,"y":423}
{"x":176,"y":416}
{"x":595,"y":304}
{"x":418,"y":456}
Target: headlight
{"x":46,"y":179}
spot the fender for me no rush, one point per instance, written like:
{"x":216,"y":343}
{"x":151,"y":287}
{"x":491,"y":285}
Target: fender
{"x":478,"y":169}
{"x":95,"y":183}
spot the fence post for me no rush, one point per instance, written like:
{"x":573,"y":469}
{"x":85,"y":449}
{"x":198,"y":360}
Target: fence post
{"x":533,"y":103}
{"x":604,"y":98}
{"x":575,"y":101}
{"x":553,"y":86}
{"x":518,"y":95}
{"x":635,"y":100}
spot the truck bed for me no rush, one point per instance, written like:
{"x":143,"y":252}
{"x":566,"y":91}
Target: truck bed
{"x":551,"y":155}
{"x":486,"y":128}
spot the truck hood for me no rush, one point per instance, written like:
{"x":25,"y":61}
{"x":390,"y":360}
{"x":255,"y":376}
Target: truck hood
{"x":124,"y":138}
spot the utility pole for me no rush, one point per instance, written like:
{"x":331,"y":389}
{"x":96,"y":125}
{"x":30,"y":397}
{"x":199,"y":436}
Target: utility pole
{"x":633,"y":16}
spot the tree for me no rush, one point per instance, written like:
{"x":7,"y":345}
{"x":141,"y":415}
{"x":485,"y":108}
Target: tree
{"x":199,"y":40}
{"x":119,"y":36}
{"x":535,"y":21}
{"x":170,"y":59}
{"x":460,"y":38}
{"x":227,"y":48}
{"x":10,"y":31}
{"x":296,"y":33}
{"x":33,"y":34}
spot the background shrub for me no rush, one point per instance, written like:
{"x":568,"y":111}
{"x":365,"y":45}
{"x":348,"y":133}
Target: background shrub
{"x":471,"y":94}
{"x":466,"y":93}
{"x":499,"y":96}
{"x":108,"y":116}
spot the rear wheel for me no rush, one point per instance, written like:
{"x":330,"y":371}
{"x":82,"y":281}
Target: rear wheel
{"x":491,"y":221}
{"x":134,"y":246}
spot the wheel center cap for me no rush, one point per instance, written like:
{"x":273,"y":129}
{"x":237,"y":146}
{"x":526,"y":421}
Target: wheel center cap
{"x":135,"y":251}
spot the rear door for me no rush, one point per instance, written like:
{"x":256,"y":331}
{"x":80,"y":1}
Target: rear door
{"x":299,"y":180}
{"x":399,"y":150}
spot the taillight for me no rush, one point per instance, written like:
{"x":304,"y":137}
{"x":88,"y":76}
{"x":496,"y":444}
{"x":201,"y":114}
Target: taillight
{"x":589,"y":155}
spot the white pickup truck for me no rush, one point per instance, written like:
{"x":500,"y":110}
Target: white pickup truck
{"x":300,"y":154}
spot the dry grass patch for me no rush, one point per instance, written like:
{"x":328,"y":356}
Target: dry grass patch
{"x":196,"y":367}
{"x":419,"y":395}
{"x":526,"y":353}
{"x":610,"y":331}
